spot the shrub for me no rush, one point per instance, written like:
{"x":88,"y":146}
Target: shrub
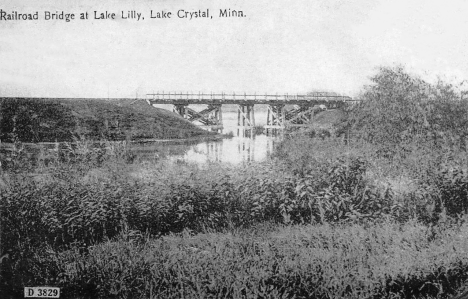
{"x":452,"y":184}
{"x":399,"y":110}
{"x":445,"y":192}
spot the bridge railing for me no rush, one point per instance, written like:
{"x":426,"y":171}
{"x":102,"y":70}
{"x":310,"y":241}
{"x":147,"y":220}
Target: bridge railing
{"x":194,"y":97}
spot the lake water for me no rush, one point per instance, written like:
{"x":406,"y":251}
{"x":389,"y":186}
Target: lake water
{"x":245,"y":146}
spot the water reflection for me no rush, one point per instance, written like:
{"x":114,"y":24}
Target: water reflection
{"x":246,"y":145}
{"x":215,"y":150}
{"x":236,"y":150}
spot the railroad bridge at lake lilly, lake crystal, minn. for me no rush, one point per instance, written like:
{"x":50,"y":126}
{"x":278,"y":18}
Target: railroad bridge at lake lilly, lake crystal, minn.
{"x":304,"y":107}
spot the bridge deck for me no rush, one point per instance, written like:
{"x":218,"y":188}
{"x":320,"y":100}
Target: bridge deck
{"x":224,"y":98}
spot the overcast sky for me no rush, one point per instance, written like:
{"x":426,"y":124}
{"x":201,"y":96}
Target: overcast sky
{"x":280,"y":46}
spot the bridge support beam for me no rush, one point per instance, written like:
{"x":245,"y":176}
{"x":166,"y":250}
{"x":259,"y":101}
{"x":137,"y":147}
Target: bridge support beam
{"x":245,"y":116}
{"x":210,"y":118}
{"x":180,"y":109}
{"x":300,"y":115}
{"x":276,"y":117}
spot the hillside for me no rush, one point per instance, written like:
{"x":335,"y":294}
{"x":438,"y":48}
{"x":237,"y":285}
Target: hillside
{"x":326,"y":119}
{"x":46,"y":120}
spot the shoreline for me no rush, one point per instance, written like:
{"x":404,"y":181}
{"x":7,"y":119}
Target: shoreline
{"x":203,"y":138}
{"x":195,"y":139}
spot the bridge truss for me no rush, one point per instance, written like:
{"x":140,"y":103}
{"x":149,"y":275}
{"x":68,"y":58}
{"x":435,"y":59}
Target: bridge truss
{"x":305,"y":106}
{"x":210,"y":117}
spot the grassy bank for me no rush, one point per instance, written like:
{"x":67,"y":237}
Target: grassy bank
{"x":43,"y":120}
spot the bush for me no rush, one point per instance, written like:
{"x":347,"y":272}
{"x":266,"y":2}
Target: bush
{"x":452,"y":185}
{"x":399,"y":110}
{"x":446,"y":192}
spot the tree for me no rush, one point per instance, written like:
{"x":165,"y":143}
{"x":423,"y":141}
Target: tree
{"x":399,"y":110}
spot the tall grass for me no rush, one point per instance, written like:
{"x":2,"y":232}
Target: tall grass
{"x":80,"y":205}
{"x":90,"y":195}
{"x":387,"y":260}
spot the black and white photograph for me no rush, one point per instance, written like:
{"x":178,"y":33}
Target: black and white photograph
{"x":234,"y":149}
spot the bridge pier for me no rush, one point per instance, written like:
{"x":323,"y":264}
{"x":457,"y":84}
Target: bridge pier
{"x":245,"y":116}
{"x":276,"y":117}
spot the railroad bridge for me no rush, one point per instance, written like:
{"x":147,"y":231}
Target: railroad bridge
{"x":305,"y":106}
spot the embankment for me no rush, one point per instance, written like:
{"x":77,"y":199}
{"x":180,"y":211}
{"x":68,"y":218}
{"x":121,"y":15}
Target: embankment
{"x":50,"y":120}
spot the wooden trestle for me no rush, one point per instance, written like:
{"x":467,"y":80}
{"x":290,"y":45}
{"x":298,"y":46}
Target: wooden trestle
{"x":245,"y":116}
{"x":305,"y":106}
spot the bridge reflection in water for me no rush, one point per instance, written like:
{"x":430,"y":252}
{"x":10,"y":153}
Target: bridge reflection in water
{"x":242,"y":148}
{"x":246,"y":144}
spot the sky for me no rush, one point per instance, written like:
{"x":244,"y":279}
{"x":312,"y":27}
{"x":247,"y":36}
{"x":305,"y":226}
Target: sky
{"x":291,"y":46}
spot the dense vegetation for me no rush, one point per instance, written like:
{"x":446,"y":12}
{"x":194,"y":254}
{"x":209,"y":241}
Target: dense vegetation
{"x":356,"y":215}
{"x":400,"y":110}
{"x":45,"y":120}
